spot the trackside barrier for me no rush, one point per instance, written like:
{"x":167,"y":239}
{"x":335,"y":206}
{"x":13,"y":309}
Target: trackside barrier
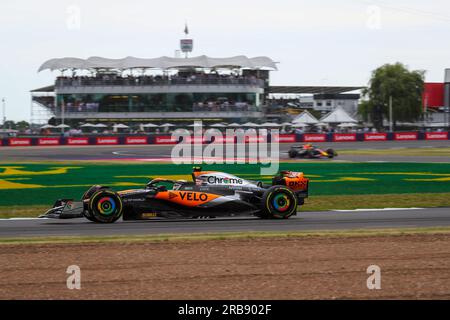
{"x":436,"y":135}
{"x":167,"y":139}
{"x":48,"y":141}
{"x":406,"y":136}
{"x":344,"y":137}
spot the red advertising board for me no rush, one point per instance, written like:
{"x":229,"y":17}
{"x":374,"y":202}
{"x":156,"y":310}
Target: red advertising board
{"x":315,"y":137}
{"x":1,"y":142}
{"x":136,"y":140}
{"x":405,"y":136}
{"x":17,"y":142}
{"x":165,"y":140}
{"x":436,"y":135}
{"x":375,"y":136}
{"x":285,"y":138}
{"x":78,"y":141}
{"x":107,"y":140}
{"x":224,"y":139}
{"x":190,"y":140}
{"x":48,"y":142}
{"x":344,"y":137}
{"x":255,"y":139}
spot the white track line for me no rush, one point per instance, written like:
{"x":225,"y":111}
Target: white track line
{"x":383,"y":209}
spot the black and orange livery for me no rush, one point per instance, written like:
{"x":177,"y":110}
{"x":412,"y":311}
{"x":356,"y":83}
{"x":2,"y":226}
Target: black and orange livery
{"x":209,"y":194}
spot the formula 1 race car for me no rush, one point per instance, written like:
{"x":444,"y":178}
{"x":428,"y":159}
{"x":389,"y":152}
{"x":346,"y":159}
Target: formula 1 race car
{"x":210,"y":194}
{"x":310,"y":151}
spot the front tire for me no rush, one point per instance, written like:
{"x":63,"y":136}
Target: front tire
{"x":278,"y":202}
{"x":105,"y":206}
{"x":331,"y":153}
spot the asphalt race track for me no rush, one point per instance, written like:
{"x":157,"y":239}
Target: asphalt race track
{"x":162,"y":152}
{"x":305,"y":221}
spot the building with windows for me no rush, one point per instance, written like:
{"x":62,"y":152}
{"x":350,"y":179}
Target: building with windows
{"x":137,"y":90}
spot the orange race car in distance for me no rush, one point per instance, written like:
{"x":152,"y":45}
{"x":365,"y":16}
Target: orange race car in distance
{"x":310,"y":151}
{"x":209,"y":194}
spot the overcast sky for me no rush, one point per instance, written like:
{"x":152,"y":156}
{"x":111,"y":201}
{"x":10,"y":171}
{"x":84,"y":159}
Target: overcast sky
{"x":321,"y":42}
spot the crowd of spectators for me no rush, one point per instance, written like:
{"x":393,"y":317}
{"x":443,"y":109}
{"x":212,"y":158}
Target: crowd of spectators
{"x":197,"y":78}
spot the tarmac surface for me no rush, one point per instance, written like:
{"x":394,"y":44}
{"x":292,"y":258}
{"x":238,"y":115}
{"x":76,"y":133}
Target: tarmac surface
{"x":163,"y":152}
{"x":304,"y":221}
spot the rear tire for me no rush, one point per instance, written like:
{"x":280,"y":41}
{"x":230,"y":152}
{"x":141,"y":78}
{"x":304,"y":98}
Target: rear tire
{"x":278,"y":202}
{"x":105,"y":206}
{"x":292,"y":153}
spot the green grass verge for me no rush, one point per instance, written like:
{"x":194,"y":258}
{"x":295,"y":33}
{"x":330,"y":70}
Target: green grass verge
{"x":417,"y":152}
{"x":315,"y":203}
{"x":223,"y":236}
{"x":42,"y":184}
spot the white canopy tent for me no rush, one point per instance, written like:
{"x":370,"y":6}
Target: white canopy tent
{"x":299,"y":125}
{"x":270,"y":125}
{"x":161,"y":63}
{"x":250,"y":125}
{"x":218,"y":125}
{"x":338,"y":115}
{"x":305,"y":117}
{"x":120,"y":126}
{"x":87,"y":125}
{"x":347,"y":125}
{"x":48,"y":126}
{"x":149,"y":125}
{"x":234,"y":125}
{"x":100,"y":125}
{"x":167,"y":125}
{"x":62,"y":126}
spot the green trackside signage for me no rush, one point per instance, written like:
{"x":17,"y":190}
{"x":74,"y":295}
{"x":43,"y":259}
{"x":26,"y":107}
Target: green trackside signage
{"x":34,"y":184}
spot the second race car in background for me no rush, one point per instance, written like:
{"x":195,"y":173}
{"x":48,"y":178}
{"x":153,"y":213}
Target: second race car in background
{"x":310,"y":151}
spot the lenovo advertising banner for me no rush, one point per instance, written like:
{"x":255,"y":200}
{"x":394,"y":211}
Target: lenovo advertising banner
{"x":375,"y":136}
{"x":344,"y":137}
{"x":165,"y":140}
{"x":107,"y":140}
{"x":48,"y":142}
{"x":77,"y":141}
{"x":19,"y":142}
{"x":136,"y":140}
{"x":315,"y":137}
{"x":436,"y":135}
{"x":285,"y":138}
{"x":405,"y":136}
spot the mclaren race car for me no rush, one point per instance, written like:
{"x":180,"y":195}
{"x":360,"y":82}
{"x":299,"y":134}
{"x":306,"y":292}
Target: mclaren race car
{"x":210,"y":194}
{"x":310,"y":151}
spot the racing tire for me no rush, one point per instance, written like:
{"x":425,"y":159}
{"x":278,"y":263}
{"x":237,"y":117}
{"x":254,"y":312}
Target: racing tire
{"x":86,"y":196}
{"x":310,"y":154}
{"x":293,"y":153}
{"x":331,"y":153}
{"x":278,"y":202}
{"x":105,"y":206}
{"x":91,"y":191}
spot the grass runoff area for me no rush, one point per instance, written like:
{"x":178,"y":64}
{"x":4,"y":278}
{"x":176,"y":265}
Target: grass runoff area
{"x":163,"y":238}
{"x":26,"y":190}
{"x":400,"y":151}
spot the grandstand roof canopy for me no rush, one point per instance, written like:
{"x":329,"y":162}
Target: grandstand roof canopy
{"x":311,"y":89}
{"x":157,"y":63}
